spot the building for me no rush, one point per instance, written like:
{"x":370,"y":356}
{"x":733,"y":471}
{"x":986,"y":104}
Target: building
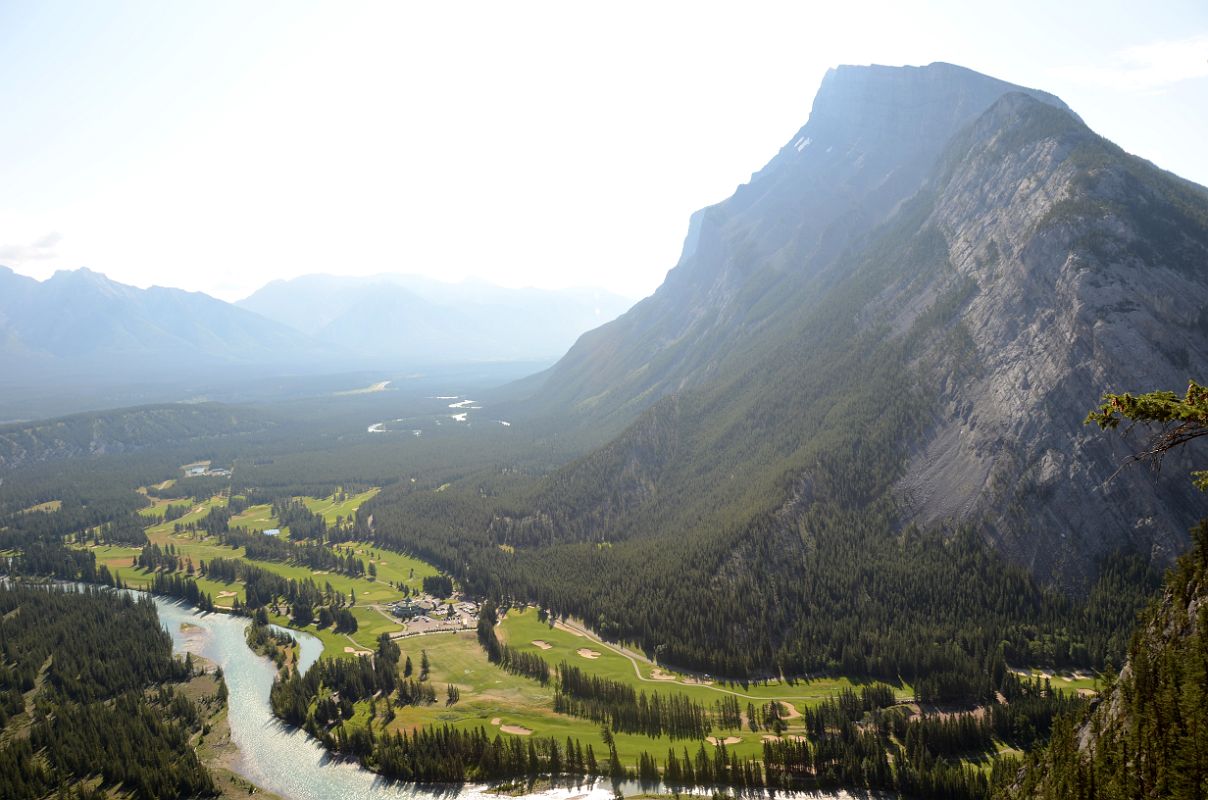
{"x":408,"y":609}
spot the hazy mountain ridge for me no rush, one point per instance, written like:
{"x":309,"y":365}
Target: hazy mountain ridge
{"x":424,"y":320}
{"x":82,"y":325}
{"x":80,"y":321}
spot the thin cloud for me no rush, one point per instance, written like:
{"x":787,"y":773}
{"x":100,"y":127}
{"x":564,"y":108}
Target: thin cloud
{"x":40,"y":250}
{"x":48,"y":241}
{"x":1146,"y":67}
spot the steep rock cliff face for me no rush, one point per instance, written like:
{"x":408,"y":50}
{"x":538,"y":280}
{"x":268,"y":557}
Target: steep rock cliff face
{"x":1081,"y":272}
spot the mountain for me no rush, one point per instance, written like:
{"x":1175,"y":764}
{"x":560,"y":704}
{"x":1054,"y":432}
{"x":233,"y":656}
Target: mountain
{"x":419,"y":320}
{"x":872,"y":140}
{"x":79,"y":340}
{"x":943,"y":246}
{"x":80,"y":322}
{"x":854,"y":409}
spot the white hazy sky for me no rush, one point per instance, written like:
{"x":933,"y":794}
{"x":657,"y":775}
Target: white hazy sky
{"x":218,"y":145}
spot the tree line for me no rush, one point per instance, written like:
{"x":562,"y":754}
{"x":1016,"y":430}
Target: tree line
{"x":106,"y":703}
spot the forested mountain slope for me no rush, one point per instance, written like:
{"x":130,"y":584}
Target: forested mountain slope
{"x":899,"y":323}
{"x":124,"y":430}
{"x":1147,"y":736}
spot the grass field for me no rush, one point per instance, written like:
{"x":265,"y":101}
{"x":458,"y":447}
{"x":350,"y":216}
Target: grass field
{"x":489,"y":694}
{"x":48,"y":506}
{"x":1069,"y":681}
{"x":331,"y":510}
{"x":393,"y":569}
{"x":257,"y":518}
{"x":492,"y":698}
{"x":521,"y":628}
{"x":158,"y":504}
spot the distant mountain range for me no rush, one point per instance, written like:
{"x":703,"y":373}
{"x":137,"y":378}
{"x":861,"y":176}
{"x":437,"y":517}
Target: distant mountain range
{"x":81,"y":324}
{"x":419,"y":320}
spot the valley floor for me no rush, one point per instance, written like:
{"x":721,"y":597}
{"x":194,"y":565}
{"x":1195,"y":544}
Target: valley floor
{"x":471,"y":691}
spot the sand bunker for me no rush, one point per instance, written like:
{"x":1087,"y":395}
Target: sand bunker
{"x":658,"y":674}
{"x":542,"y":644}
{"x":226,"y":594}
{"x":497,"y":721}
{"x":728,"y":740}
{"x":357,"y":651}
{"x":516,"y":730}
{"x":587,"y":652}
{"x":789,"y":738}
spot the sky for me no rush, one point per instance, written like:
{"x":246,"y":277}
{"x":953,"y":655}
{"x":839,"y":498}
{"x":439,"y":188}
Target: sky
{"x":215,"y":146}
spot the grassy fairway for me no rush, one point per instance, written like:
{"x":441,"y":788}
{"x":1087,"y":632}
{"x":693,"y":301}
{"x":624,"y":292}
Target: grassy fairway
{"x":196,"y":546}
{"x":256,"y":518}
{"x":159,"y":504}
{"x":489,"y":693}
{"x":521,"y":628}
{"x":331,"y":509}
{"x":1068,"y":681}
{"x":47,"y":507}
{"x":492,"y":698}
{"x":195,"y":513}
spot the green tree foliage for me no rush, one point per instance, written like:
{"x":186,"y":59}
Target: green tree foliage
{"x":101,"y":675}
{"x":1179,"y":420}
{"x":1149,"y":737}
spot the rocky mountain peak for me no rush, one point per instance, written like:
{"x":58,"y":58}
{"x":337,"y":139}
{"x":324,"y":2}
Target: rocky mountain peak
{"x":872,"y":141}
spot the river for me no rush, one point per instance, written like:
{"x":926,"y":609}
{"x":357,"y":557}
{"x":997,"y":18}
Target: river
{"x":285,"y":760}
